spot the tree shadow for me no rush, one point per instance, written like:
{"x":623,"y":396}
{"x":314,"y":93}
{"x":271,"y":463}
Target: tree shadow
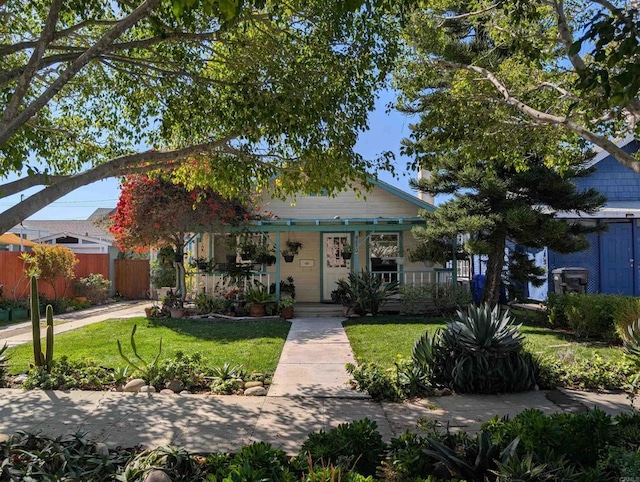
{"x":224,"y":331}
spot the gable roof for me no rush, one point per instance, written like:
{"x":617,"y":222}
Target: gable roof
{"x":41,"y":228}
{"x":602,"y":154}
{"x":403,"y":194}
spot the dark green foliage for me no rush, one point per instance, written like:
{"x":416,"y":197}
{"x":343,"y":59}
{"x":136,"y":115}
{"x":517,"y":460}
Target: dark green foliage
{"x":478,"y":352}
{"x":406,"y":457}
{"x":163,"y":271}
{"x":364,"y":293}
{"x":260,"y":461}
{"x":286,"y":287}
{"x":579,"y":438}
{"x":440,"y":298}
{"x":604,"y":317}
{"x":71,"y":457}
{"x":476,"y":461}
{"x":357,"y":445}
{"x":178,"y":464}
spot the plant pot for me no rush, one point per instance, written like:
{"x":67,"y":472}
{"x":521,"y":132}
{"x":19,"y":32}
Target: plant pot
{"x":148,"y":311}
{"x":5,"y":315}
{"x":19,"y":313}
{"x":346,"y":255}
{"x":288,"y":258}
{"x":376,"y":261}
{"x":203,"y":266}
{"x":286,"y":312}
{"x":256,"y":310}
{"x":177,"y":312}
{"x":245,"y":256}
{"x":178,"y":258}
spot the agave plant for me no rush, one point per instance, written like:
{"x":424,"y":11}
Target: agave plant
{"x":482,"y":329}
{"x":4,"y":359}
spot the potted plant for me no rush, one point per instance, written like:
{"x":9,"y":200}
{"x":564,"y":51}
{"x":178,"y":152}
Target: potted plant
{"x":265,"y":255}
{"x":172,"y":303}
{"x":292,"y":248}
{"x":257,"y":297}
{"x":201,"y":263}
{"x":248,"y":250}
{"x":346,"y":251}
{"x":19,"y":310}
{"x":286,"y":307}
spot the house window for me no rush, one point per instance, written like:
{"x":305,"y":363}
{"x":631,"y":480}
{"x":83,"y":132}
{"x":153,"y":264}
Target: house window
{"x":384,"y":250}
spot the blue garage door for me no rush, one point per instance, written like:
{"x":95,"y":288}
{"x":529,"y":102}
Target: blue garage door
{"x":616,"y":259}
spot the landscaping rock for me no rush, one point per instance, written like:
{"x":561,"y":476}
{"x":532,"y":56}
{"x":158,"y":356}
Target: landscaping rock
{"x":255,"y":392}
{"x":4,"y":437}
{"x":157,"y":476}
{"x":167,"y":391}
{"x":19,"y":379}
{"x":134,"y":385}
{"x":253,"y":384}
{"x":175,"y":385}
{"x":148,"y":389}
{"x":185,"y":392}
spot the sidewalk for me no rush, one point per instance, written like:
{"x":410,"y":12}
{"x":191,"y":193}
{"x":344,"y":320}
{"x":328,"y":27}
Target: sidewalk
{"x":20,"y":333}
{"x":309,"y":393}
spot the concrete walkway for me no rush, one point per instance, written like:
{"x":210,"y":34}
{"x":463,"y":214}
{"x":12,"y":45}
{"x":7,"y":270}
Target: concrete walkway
{"x":309,"y":393}
{"x":20,"y":333}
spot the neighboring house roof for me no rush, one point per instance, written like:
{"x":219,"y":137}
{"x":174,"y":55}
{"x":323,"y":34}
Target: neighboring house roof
{"x":101,"y":213}
{"x":12,"y":239}
{"x":602,"y":154}
{"x":612,"y":209}
{"x":42,"y":228}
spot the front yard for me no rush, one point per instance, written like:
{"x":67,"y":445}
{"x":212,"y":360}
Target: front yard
{"x":255,"y":345}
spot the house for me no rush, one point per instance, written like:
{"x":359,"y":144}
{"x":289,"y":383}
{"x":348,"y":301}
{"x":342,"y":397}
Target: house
{"x":83,"y":237}
{"x":377,"y":228}
{"x":613,"y":258}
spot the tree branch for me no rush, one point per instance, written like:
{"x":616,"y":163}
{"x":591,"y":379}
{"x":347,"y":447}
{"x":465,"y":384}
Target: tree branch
{"x":139,"y":162}
{"x":31,"y":68}
{"x":566,"y":37}
{"x":9,"y":128}
{"x":468,"y":14}
{"x":620,"y":155}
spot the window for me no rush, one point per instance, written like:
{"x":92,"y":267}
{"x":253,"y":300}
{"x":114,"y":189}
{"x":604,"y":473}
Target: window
{"x":384,"y":250}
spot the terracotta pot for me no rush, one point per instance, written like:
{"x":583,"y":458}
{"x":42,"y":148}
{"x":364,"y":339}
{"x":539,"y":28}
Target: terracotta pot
{"x":257,"y":310}
{"x":177,"y":312}
{"x":286,"y":312}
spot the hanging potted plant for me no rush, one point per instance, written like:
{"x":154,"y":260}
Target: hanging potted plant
{"x":265,"y":255}
{"x":346,"y":251}
{"x":248,"y":250}
{"x":292,"y":248}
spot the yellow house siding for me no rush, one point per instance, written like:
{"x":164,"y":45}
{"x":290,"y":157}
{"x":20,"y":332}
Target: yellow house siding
{"x":378,"y":203}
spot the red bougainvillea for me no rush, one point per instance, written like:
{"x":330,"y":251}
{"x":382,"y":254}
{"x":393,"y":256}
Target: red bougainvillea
{"x":159,"y":212}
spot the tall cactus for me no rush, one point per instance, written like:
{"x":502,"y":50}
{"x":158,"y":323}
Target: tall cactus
{"x":39,"y":358}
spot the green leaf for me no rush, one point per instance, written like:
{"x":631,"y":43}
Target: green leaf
{"x":229,"y":9}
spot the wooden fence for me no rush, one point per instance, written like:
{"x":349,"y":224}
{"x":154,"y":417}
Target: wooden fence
{"x":16,"y":284}
{"x":132,"y":278}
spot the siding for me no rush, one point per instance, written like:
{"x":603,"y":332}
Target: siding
{"x":612,"y":179}
{"x":373,"y":204}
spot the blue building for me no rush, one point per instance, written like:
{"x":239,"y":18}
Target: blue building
{"x":613,"y":258}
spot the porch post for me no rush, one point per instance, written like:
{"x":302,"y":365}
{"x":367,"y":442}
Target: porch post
{"x":454,"y":263}
{"x":355,"y":250}
{"x":278,"y":265}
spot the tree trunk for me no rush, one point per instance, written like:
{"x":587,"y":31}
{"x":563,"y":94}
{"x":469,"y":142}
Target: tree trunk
{"x":495,"y":265}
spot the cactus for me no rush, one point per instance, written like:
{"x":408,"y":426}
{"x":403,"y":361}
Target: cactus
{"x":39,"y":358}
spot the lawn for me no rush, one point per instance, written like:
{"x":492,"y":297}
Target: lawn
{"x":383,"y":339}
{"x":254,"y":344}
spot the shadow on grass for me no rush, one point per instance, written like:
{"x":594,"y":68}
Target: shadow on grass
{"x":395,"y":320}
{"x":224,"y":331}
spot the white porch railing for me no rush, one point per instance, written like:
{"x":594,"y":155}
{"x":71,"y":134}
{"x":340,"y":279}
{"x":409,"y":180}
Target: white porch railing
{"x":215,"y":282}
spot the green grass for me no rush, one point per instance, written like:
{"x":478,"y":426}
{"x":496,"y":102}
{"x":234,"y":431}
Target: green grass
{"x":254,"y":344}
{"x":383,"y":339}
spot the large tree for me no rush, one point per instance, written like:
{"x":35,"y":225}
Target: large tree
{"x":567,"y":64}
{"x":505,"y":177}
{"x":245,"y":90}
{"x":153,"y":211}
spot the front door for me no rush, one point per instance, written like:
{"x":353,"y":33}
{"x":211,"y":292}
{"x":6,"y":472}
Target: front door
{"x":616,"y":259}
{"x":334,"y":266}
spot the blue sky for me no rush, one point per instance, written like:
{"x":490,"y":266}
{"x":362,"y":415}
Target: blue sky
{"x":385,"y":134}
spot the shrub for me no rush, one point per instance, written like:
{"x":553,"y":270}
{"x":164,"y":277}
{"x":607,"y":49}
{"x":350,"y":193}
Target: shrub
{"x":592,"y":315}
{"x":357,"y":445}
{"x":593,"y":373}
{"x":375,"y":380}
{"x":365,"y":292}
{"x":51,"y":263}
{"x":478,"y":352}
{"x":627,"y":312}
{"x":94,"y":287}
{"x":65,"y":374}
{"x":162,"y":274}
{"x":188,"y":369}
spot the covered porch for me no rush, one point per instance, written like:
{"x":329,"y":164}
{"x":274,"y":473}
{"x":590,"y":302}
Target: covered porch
{"x":331,"y":249}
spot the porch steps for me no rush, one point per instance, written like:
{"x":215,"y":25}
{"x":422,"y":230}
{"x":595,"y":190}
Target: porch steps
{"x":317,"y":310}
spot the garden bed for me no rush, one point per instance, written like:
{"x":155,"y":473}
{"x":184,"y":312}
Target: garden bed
{"x":203,"y":356}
